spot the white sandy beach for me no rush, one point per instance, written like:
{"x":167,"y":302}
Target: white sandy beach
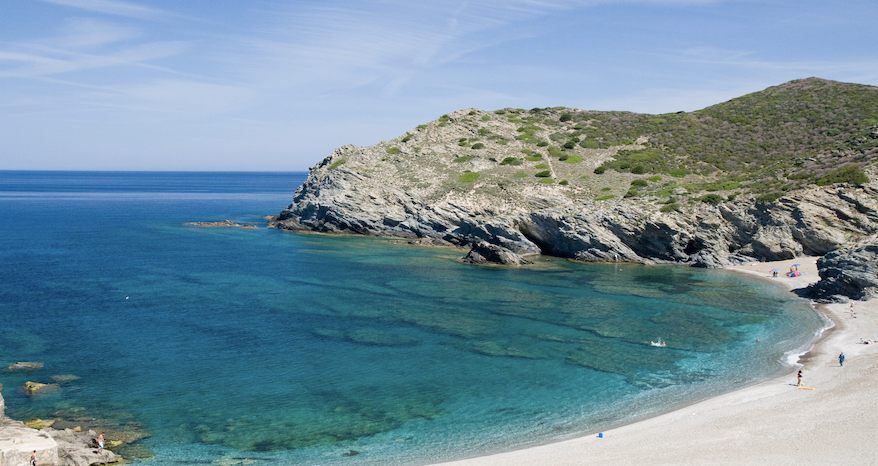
{"x":769,"y":423}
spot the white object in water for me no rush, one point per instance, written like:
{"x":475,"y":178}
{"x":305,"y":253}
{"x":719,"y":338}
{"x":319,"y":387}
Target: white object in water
{"x":658,"y":343}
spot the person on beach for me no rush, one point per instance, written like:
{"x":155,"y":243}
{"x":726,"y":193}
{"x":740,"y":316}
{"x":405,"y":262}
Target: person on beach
{"x":799,"y":379}
{"x":101,"y":443}
{"x":841,"y":359}
{"x":33,"y":459}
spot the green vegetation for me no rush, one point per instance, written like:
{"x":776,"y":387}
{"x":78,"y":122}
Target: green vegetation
{"x":543,"y":174}
{"x":486,"y":118}
{"x":337,"y":164}
{"x":546,"y":180}
{"x":478,"y":145}
{"x":599,"y":170}
{"x":469,"y":177}
{"x":573,"y":159}
{"x":713,"y":199}
{"x":520,"y":174}
{"x":534,"y":158}
{"x":541,"y":166}
{"x":655,"y":179}
{"x":800,"y":132}
{"x":851,"y":175}
{"x":406,"y":138}
{"x":604,"y":197}
{"x":463,"y":158}
{"x":563,"y":182}
{"x":555,"y":152}
{"x":639,"y":184}
{"x":670,"y":207}
{"x":511,"y":161}
{"x":392,"y":150}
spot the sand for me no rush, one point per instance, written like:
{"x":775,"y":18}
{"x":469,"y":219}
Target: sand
{"x":769,"y":423}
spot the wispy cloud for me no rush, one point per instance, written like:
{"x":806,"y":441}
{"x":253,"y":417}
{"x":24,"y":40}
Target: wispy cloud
{"x":112,"y":7}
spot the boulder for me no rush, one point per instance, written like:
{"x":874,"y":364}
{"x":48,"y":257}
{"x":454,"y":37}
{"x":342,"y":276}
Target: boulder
{"x":848,"y":273}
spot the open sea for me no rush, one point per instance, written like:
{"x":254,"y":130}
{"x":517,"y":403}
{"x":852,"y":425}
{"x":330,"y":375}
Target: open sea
{"x":259,"y":346}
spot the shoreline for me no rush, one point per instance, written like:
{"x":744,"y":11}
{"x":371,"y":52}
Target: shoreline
{"x":770,"y":422}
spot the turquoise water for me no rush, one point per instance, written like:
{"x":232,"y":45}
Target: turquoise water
{"x":233,"y":345}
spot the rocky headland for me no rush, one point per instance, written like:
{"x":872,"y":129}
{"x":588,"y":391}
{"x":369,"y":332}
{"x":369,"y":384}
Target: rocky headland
{"x":769,"y":176}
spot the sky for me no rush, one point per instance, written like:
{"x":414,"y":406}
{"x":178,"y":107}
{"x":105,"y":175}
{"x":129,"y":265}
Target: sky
{"x":271,"y":85}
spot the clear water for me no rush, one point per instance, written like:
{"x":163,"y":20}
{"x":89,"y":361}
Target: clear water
{"x":232,"y":346}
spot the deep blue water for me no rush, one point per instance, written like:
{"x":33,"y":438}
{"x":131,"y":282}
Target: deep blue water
{"x":234,"y":345}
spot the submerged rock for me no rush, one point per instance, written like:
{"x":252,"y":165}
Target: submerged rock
{"x":24,"y":366}
{"x":222,"y":223}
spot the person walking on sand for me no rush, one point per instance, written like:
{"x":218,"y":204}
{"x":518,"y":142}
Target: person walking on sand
{"x":33,"y":459}
{"x":799,"y":379}
{"x":841,"y":359}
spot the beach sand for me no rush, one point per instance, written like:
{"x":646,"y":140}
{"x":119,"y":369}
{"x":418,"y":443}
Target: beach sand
{"x":769,"y":423}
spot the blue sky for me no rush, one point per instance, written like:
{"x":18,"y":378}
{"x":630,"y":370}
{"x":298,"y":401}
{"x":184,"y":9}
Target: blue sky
{"x":276,"y":85}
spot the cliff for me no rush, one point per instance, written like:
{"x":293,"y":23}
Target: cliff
{"x":769,"y":176}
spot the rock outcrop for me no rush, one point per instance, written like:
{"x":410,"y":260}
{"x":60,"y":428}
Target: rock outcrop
{"x":53,"y":447}
{"x":848,"y":273}
{"x":812,"y":221}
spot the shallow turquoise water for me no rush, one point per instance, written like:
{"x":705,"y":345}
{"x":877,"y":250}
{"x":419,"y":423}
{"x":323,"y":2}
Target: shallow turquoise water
{"x":231,"y":344}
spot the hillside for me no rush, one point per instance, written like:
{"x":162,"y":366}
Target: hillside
{"x":768,"y":175}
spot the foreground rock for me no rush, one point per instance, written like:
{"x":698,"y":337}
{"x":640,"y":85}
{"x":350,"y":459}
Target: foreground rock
{"x":848,"y":273}
{"x":53,"y":447}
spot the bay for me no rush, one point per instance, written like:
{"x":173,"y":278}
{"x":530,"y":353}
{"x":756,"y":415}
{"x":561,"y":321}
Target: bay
{"x":239,"y":345}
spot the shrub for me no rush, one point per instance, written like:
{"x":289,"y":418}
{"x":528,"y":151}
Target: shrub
{"x":600,"y":169}
{"x":469,"y":177}
{"x":679,"y":172}
{"x":639,"y":183}
{"x":564,"y":157}
{"x":712,"y":199}
{"x":541,"y":166}
{"x":768,"y":198}
{"x":520,"y":174}
{"x":534,"y":158}
{"x":630,"y":193}
{"x":512,"y":161}
{"x":638,"y":170}
{"x":573,"y":159}
{"x":542,"y":144}
{"x":605,"y":189}
{"x":852,"y":175}
{"x":543,"y":174}
{"x":670,"y":207}
{"x":461,"y":159}
{"x":566,"y":117}
{"x":406,"y":138}
{"x":546,"y":180}
{"x":422,"y":126}
{"x":486,"y":118}
{"x":590,"y":145}
{"x":569,"y":145}
{"x":478,"y":145}
{"x":564,"y":182}
{"x":337,"y":164}
{"x":604,"y":198}
{"x":555,"y":152}
{"x":392,"y":150}
{"x":655,"y":178}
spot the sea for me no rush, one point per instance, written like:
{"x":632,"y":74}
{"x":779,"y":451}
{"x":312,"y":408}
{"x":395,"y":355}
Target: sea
{"x":260,"y":346}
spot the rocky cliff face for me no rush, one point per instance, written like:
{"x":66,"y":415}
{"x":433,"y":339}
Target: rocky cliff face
{"x":511,"y":195}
